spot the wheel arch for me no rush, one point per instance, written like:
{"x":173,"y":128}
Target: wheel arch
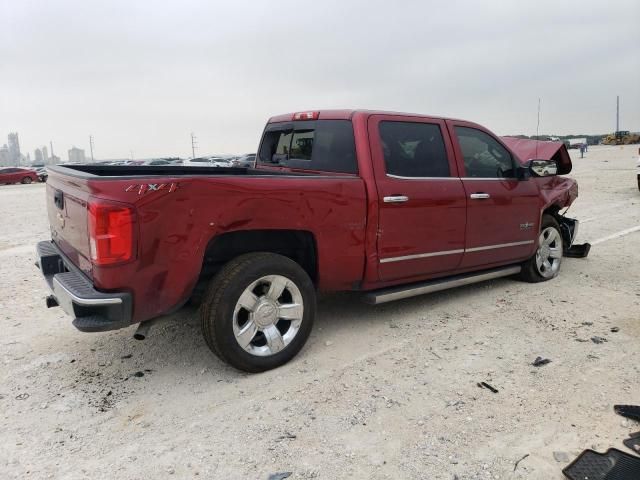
{"x":298,"y":245}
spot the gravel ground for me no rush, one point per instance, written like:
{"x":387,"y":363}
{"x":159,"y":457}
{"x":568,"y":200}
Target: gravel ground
{"x":384,"y":392}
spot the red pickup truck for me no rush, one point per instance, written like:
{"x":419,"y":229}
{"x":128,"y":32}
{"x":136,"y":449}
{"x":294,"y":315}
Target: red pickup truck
{"x":389,"y":204}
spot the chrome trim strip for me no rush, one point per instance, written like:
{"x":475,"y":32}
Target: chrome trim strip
{"x":452,"y":252}
{"x":396,"y":199}
{"x":420,"y":255}
{"x":59,"y":288}
{"x":508,"y":179}
{"x":400,"y":177}
{"x":501,"y":245}
{"x":397,"y":293}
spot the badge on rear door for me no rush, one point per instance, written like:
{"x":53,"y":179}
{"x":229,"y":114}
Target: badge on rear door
{"x":526,"y":226}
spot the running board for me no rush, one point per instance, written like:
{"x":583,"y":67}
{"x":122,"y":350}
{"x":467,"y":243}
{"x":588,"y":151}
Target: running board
{"x":414,"y":289}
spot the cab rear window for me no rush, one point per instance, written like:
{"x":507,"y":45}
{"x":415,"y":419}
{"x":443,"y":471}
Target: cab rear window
{"x":324,"y":145}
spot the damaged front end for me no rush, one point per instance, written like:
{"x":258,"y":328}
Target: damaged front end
{"x":569,"y":231}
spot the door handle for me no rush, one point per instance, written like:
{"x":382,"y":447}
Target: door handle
{"x":479,"y":196}
{"x":396,"y":199}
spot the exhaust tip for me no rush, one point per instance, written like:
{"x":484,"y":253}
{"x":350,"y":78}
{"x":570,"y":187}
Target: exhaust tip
{"x":143,"y":330}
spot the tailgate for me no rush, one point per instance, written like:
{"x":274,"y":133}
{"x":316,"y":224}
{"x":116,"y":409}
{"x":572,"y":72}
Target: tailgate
{"x":67,"y":209}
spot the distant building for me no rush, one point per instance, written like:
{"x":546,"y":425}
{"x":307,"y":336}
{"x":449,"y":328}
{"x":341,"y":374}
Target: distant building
{"x":37,"y":157}
{"x":5,"y":158}
{"x":14,"y":149}
{"x":76,"y":155}
{"x":45,"y":155}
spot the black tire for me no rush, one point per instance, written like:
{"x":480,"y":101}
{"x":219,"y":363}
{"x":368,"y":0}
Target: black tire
{"x":638,"y":182}
{"x":530,"y":271}
{"x":26,"y":180}
{"x":222,"y":296}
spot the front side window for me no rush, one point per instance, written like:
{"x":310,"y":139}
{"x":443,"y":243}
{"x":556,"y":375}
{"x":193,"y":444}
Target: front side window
{"x":413,"y":149}
{"x":324,"y":145}
{"x":484,"y":156}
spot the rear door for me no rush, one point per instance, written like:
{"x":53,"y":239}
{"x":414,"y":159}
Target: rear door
{"x":421,"y":199}
{"x":502,"y":211}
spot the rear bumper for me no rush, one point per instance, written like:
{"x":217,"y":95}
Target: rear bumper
{"x":92,"y":311}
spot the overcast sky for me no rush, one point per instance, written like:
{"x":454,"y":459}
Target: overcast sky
{"x":141,"y":75}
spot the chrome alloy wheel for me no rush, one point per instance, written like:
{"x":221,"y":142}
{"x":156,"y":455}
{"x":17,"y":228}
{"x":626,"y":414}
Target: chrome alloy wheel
{"x":549,"y":253}
{"x":268,"y":315}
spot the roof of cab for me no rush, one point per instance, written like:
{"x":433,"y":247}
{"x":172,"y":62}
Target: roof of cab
{"x":347,"y":114}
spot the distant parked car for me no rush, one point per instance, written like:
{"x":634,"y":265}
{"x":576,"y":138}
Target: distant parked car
{"x":157,"y":162}
{"x":18,"y":175}
{"x":42,"y":174}
{"x":247,"y":161}
{"x":213,"y":161}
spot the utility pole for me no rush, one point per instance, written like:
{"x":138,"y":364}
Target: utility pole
{"x":91,"y":146}
{"x":618,"y":113}
{"x":193,"y":145}
{"x":51,"y":145}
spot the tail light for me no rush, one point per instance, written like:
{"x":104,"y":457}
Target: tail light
{"x":111,"y":232}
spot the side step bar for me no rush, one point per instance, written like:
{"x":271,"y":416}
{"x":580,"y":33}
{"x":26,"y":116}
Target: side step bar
{"x":405,"y":291}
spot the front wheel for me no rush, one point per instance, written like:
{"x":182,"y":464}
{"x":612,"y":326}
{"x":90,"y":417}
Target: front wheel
{"x":545,"y":263}
{"x":258,"y":311}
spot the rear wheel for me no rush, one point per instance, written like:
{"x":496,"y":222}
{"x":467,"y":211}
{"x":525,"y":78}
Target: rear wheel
{"x":258,"y":311}
{"x":26,"y":180}
{"x":545,"y":263}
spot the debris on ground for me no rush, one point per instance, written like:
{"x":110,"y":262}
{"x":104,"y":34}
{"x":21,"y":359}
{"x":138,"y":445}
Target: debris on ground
{"x":486,"y":385}
{"x":628,"y":411}
{"x":539,"y":361}
{"x":561,"y":457}
{"x":516,"y":464}
{"x":280,"y":476}
{"x":615,"y":329}
{"x":598,"y":340}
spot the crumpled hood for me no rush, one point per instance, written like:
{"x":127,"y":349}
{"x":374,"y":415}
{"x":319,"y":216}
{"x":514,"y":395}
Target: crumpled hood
{"x":527,"y":149}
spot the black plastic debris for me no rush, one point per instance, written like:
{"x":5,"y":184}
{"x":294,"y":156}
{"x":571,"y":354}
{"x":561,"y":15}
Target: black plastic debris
{"x":615,"y":329}
{"x":539,"y":361}
{"x":138,"y":374}
{"x":598,"y":340}
{"x":611,"y":465}
{"x":578,"y":251}
{"x":629,"y":411}
{"x":487,"y":386}
{"x":632,"y":443}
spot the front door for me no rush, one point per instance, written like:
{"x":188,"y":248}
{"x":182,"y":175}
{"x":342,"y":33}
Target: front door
{"x":503,"y":213}
{"x":421,"y":199}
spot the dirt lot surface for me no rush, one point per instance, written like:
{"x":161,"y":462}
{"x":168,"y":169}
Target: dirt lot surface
{"x":387,"y":392}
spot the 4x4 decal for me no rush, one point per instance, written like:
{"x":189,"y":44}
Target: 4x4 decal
{"x":152,"y":187}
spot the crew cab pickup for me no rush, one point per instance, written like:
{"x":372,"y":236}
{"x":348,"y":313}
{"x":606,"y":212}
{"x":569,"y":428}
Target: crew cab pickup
{"x":387,"y":204}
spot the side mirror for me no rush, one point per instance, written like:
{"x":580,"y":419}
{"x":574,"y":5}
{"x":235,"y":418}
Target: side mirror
{"x":543,"y":168}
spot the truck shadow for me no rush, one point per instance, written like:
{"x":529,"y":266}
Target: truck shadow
{"x":175,"y":343}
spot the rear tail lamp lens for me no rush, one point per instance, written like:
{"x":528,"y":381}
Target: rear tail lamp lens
{"x":111,"y":232}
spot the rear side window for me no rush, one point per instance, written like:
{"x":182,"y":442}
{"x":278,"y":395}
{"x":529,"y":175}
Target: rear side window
{"x":484,"y":156}
{"x":413,"y":149}
{"x":325,"y":145}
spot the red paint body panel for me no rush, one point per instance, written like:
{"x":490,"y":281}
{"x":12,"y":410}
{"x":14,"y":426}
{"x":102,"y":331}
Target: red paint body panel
{"x":432,"y":220}
{"x":352,"y":227}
